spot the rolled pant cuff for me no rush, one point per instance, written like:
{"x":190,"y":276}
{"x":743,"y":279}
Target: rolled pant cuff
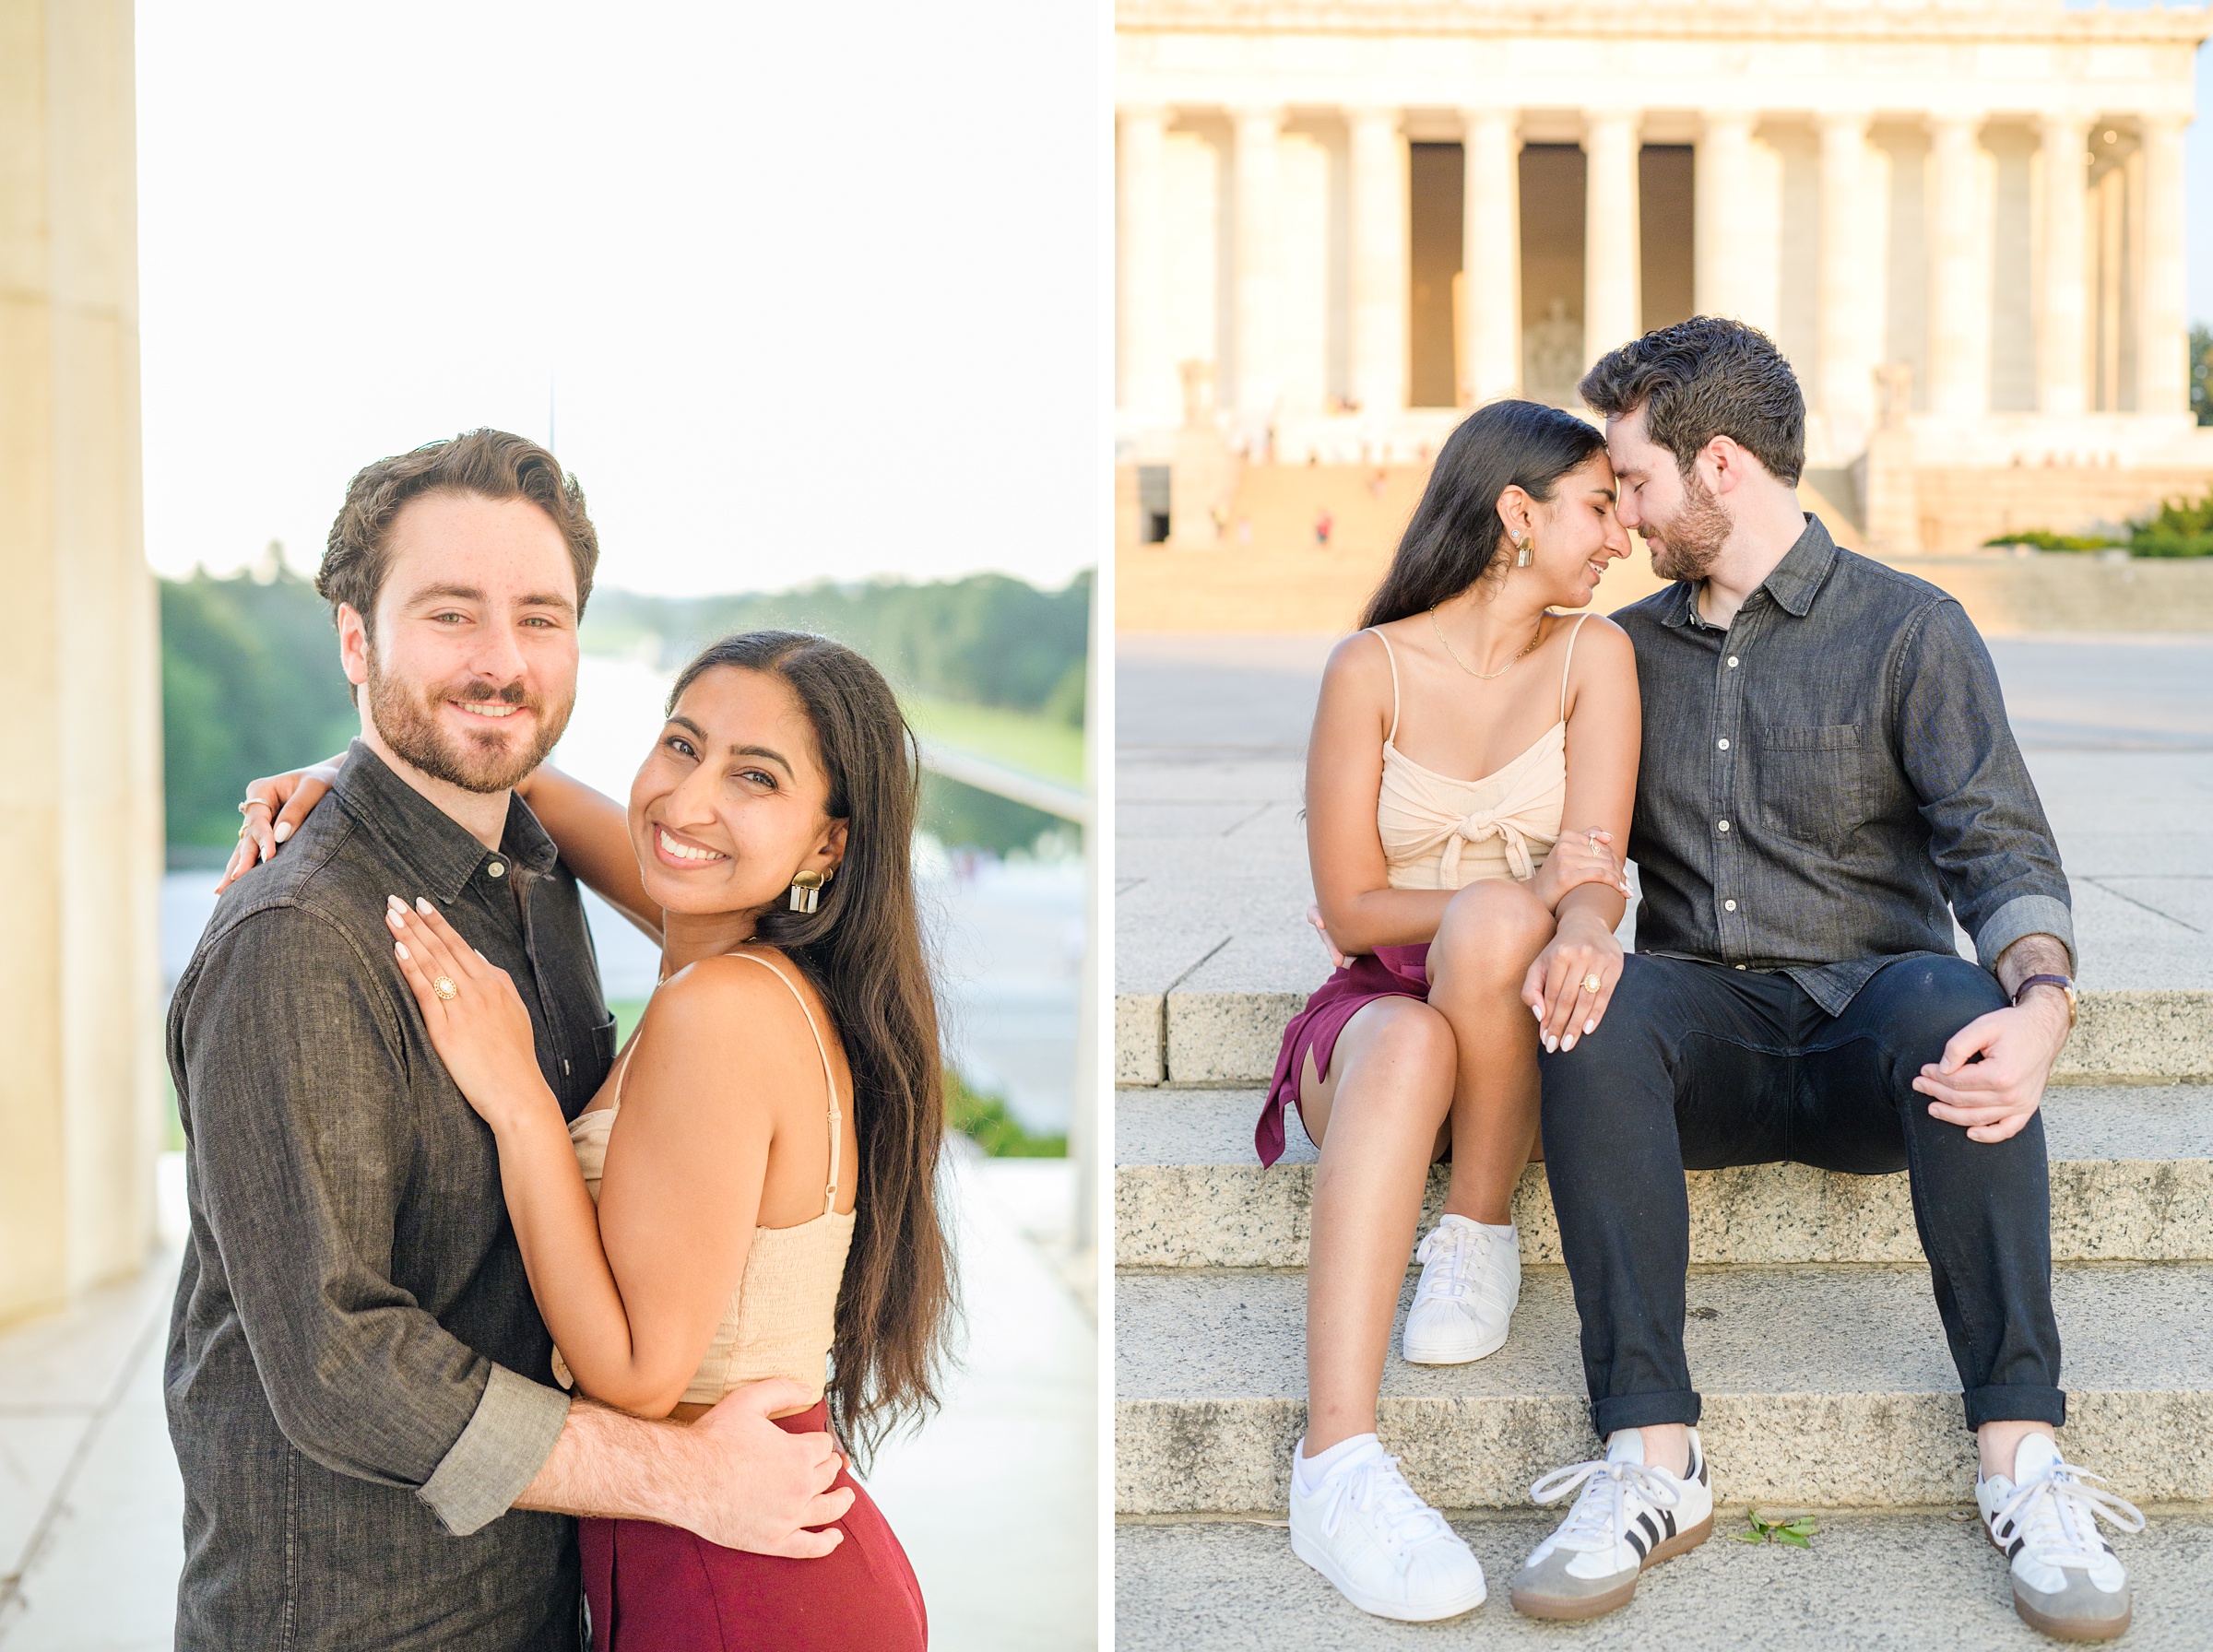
{"x":2017,"y":1403}
{"x":1646,"y":1410}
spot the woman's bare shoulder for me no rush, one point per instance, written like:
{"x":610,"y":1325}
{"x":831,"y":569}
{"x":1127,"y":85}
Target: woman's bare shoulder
{"x":1604,"y":647}
{"x":725,"y":1017}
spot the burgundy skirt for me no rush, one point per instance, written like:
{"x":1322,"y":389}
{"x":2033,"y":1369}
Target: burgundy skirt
{"x":1387,"y":972}
{"x":660,"y":1588}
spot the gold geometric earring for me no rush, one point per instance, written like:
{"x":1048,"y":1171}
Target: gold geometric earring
{"x":1524,"y":554}
{"x":807,"y":890}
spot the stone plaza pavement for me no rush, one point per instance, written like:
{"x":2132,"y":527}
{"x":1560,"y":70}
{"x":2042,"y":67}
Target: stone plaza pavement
{"x":1818,"y":1347}
{"x":995,"y":1500}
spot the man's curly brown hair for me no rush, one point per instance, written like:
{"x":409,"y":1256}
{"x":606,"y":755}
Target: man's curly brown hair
{"x":488,"y":464}
{"x":1702,"y":378}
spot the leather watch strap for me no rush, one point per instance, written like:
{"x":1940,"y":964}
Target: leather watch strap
{"x":2065,"y":987}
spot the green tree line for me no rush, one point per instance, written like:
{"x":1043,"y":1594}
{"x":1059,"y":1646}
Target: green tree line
{"x":251,"y":683}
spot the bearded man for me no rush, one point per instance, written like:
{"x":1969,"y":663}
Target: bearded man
{"x":360,"y":1387}
{"x":1828,"y":778}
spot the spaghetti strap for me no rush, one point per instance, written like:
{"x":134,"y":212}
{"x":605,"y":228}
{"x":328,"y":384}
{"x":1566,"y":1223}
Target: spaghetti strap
{"x":1394,"y":682}
{"x":1575,"y":631}
{"x":829,"y":1078}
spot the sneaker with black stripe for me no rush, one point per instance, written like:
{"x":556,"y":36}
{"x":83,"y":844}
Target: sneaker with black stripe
{"x":1631,"y":1515}
{"x":2067,"y":1579}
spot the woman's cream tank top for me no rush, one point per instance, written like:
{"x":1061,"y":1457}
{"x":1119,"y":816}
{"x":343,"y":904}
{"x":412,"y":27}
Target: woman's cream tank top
{"x":1439,"y":832}
{"x":781,"y":1320}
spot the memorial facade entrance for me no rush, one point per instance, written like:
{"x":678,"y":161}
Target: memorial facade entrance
{"x":1962,"y":219}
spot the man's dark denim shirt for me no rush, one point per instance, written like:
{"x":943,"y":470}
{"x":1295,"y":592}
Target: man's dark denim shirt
{"x":1821,"y":779}
{"x":358,"y":1382}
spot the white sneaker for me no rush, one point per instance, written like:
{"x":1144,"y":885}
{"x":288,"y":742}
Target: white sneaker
{"x":1630,"y":1516}
{"x":1389,"y":1553}
{"x":2067,"y":1579}
{"x":1471,"y":1283}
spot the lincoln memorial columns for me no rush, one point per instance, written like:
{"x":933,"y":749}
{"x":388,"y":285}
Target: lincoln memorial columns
{"x":2063,"y":338}
{"x":2162,"y":366}
{"x":1959,"y":270}
{"x":1378,"y":164}
{"x":1611,"y":257}
{"x":1722,"y":201}
{"x":80,"y":764}
{"x":1149,"y":382}
{"x":1491,"y":256}
{"x":1850,"y":293}
{"x":1256,"y":161}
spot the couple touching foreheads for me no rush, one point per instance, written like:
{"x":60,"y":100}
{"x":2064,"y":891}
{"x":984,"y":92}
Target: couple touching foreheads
{"x":459,"y":1268}
{"x":1807,"y":756}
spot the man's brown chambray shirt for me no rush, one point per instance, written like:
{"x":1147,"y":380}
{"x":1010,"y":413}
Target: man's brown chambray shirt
{"x":1821,"y":779}
{"x":358,"y":1383}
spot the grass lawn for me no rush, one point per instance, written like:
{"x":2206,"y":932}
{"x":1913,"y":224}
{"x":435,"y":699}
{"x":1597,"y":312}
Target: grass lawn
{"x":1040,"y":746}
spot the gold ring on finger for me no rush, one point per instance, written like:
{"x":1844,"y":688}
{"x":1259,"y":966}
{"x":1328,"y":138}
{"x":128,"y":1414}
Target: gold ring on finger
{"x":256,"y":803}
{"x":443,"y":986}
{"x":1593,"y":981}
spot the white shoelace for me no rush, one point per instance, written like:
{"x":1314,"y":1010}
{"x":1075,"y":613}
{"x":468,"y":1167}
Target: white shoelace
{"x":2057,"y":1515}
{"x":1601,"y":1515}
{"x":1376,"y":1487}
{"x":1464,"y":1252}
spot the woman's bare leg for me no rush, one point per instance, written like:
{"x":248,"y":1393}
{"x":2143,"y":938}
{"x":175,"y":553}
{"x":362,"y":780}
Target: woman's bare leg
{"x":1491,"y":934}
{"x":1379,"y":1118}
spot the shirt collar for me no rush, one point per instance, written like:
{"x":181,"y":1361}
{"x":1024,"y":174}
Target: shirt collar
{"x":425,"y":837}
{"x":1792,"y":582}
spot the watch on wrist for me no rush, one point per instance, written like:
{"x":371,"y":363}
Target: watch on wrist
{"x":2065,"y":985}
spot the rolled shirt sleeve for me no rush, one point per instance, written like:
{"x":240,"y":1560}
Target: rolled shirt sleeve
{"x":1995,"y":857}
{"x":294,"y":1075}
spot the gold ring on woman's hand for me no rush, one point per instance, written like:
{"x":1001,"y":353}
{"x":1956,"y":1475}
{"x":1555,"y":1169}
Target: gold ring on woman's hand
{"x":1593,"y":981}
{"x":256,"y":803}
{"x":443,"y":986}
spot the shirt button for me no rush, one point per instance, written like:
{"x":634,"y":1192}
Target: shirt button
{"x":1724,"y":825}
{"x":498,"y":869}
{"x":1740,"y":966}
{"x":1728,"y":905}
{"x":564,"y":1060}
{"x":1724,"y":745}
{"x":1733,"y":666}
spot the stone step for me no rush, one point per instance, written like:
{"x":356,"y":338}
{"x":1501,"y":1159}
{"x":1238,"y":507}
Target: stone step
{"x":2132,"y":1180}
{"x":2124,"y":1037}
{"x":1823,"y":1386}
{"x":1919,"y":1580}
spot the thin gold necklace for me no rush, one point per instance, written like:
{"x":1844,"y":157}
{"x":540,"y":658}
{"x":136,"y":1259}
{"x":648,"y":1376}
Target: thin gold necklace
{"x":1437,"y":626}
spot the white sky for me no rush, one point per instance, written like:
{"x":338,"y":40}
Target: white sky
{"x":815,"y":289}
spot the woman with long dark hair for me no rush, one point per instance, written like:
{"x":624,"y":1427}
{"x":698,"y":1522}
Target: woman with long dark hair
{"x":1472,"y":771}
{"x":752,"y":1194}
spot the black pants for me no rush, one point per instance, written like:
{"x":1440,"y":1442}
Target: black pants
{"x":1697,"y":1067}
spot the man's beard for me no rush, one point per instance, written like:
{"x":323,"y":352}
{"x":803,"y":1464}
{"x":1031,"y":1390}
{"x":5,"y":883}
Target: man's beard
{"x":1690,"y":542}
{"x":405,"y":713}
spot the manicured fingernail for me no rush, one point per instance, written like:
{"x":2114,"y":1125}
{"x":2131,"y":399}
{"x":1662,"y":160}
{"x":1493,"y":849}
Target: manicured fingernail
{"x":1590,"y":1026}
{"x":396,"y":916}
{"x":395,"y":902}
{"x":401,"y":948}
{"x":1567,"y":1043}
{"x":284,"y":829}
{"x":1551,"y":1044}
{"x":423,"y":903}
{"x":1537,"y":1010}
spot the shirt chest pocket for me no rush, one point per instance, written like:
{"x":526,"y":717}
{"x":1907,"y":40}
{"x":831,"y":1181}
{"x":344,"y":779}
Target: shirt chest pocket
{"x":1812,"y":783}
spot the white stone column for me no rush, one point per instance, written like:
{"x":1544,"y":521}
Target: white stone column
{"x":1722,"y":189}
{"x":1961,"y":232}
{"x":81,"y":749}
{"x":2163,"y":304}
{"x":1849,"y":299}
{"x":1256,"y":162}
{"x":1149,"y":384}
{"x":1612,"y":272}
{"x":1378,"y":274}
{"x":1491,"y":252}
{"x":2062,"y":333}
